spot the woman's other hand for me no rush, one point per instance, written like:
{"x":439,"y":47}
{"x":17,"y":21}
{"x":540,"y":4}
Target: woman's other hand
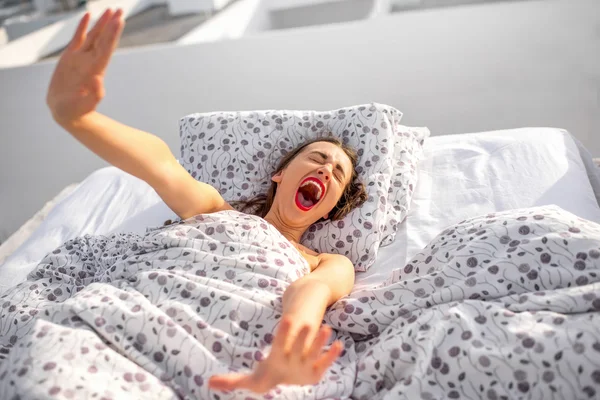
{"x":294,"y":360}
{"x":77,"y":84}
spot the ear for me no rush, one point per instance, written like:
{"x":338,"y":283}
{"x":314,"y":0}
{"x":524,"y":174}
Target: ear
{"x":277,"y":177}
{"x":326,"y":216}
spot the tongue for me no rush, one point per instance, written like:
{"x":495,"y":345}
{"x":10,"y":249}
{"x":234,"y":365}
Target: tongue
{"x":305,"y":201}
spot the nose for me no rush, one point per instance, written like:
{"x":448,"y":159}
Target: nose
{"x":325,"y":172}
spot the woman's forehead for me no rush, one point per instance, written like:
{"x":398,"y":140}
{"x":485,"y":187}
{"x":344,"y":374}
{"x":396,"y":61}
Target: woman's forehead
{"x":330,"y":149}
{"x":331,"y":152}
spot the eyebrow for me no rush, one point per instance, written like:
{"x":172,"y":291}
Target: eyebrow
{"x":338,"y":166}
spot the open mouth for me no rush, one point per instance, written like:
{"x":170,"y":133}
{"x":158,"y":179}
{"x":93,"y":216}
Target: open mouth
{"x":309,"y":193}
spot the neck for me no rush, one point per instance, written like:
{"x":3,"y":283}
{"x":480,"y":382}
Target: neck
{"x":291,"y":233}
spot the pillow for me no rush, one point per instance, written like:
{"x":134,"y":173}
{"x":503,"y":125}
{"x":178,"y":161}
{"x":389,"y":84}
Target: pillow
{"x":237,"y":152}
{"x":408,"y":150}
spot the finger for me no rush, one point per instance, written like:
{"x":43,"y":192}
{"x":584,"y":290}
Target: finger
{"x":328,"y":358}
{"x":109,"y":38}
{"x":100,"y":24}
{"x":317,"y":347}
{"x":79,"y":36}
{"x":282,"y":334}
{"x":299,"y":345}
{"x":230,"y":382}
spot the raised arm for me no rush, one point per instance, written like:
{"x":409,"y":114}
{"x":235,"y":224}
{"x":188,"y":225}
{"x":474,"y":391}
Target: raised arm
{"x":297,"y":356}
{"x":76,"y":89}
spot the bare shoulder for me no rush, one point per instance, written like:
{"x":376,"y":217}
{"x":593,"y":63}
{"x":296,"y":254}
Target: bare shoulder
{"x":338,"y":259}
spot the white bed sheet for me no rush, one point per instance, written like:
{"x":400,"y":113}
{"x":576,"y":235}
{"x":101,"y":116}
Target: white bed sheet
{"x":460,"y":176}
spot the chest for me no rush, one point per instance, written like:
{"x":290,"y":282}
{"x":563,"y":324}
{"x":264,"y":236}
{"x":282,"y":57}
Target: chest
{"x":309,"y":255}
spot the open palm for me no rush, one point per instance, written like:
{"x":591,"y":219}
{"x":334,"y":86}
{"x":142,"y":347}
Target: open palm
{"x":77,"y":84}
{"x":302,"y":363}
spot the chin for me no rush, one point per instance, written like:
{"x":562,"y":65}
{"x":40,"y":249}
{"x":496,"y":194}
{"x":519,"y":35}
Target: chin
{"x":295,"y":216}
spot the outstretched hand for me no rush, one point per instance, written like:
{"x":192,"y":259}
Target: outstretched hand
{"x":77,"y":84}
{"x":292,"y":361}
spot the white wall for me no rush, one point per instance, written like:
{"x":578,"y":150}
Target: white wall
{"x":455,"y":70}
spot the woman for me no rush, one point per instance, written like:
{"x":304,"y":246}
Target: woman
{"x":307,"y":186}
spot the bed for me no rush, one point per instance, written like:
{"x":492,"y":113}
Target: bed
{"x":460,"y":177}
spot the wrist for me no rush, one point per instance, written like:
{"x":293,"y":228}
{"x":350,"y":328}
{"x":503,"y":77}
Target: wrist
{"x":306,"y":301}
{"x":73,"y":123}
{"x":301,"y":318}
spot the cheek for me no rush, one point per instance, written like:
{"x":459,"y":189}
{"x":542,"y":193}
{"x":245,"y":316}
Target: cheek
{"x":336,"y":195}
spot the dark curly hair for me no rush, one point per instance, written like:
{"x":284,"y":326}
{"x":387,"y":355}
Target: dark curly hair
{"x":354,"y":194}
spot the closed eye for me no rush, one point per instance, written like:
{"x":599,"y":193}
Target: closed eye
{"x":336,"y":174}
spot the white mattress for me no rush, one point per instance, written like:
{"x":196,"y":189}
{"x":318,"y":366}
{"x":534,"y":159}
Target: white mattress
{"x":460,"y":176}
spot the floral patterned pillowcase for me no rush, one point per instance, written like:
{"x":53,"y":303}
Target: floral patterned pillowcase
{"x":237,"y":152}
{"x":408,"y":150}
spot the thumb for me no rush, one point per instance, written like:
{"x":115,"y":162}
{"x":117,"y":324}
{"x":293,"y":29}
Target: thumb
{"x":230,"y":382}
{"x":235,"y":381}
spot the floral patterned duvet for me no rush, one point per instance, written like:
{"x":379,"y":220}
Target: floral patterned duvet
{"x":505,"y":305}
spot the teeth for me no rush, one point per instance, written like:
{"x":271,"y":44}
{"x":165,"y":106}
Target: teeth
{"x":319,"y":190}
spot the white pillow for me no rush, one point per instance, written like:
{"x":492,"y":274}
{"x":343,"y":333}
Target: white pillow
{"x":237,"y":152}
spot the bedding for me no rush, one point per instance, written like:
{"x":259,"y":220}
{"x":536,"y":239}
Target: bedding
{"x":504,"y":305}
{"x":465,"y":175}
{"x":8,"y":246}
{"x":237,"y":152}
{"x":437,"y":314}
{"x":166,"y":309}
{"x":592,"y":166}
{"x":507,"y":299}
{"x":459,"y":176}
